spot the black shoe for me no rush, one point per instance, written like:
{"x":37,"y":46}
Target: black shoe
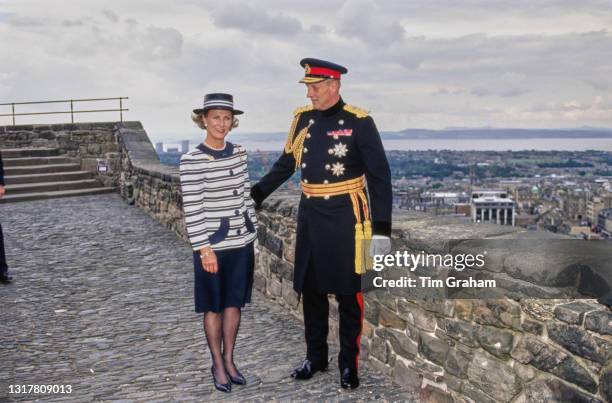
{"x":5,"y":278}
{"x":307,"y":370}
{"x":223,"y":387}
{"x":236,"y":380}
{"x":349,"y":379}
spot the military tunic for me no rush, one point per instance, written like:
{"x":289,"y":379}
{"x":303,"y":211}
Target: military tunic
{"x":341,"y":143}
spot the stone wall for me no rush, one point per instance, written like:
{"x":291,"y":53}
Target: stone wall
{"x":145,"y":182}
{"x":481,"y":350}
{"x":89,"y":142}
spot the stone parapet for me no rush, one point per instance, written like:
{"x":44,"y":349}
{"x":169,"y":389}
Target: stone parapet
{"x":145,"y":182}
{"x":481,"y":349}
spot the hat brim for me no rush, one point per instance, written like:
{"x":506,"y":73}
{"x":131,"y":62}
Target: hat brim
{"x":312,"y":80}
{"x":234,"y":111}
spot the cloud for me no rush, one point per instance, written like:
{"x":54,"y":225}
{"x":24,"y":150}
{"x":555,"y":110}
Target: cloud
{"x":110,"y":15}
{"x":158,"y":43}
{"x":450,"y":91}
{"x":72,"y":23}
{"x":22,"y":21}
{"x":87,"y":37}
{"x":363,"y":20}
{"x":598,"y":103}
{"x":248,"y":18}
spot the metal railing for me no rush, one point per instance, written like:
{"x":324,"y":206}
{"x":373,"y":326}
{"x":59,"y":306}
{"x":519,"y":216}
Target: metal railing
{"x":72,"y":111}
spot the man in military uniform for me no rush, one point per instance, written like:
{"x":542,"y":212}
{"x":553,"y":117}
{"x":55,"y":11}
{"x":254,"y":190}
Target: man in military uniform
{"x":338,"y":149}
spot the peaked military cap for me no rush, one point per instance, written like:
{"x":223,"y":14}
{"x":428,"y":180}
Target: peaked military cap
{"x":218,"y":101}
{"x":317,"y":70}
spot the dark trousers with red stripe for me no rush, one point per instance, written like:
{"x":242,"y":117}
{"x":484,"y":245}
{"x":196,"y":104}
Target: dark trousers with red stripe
{"x":316,"y":318}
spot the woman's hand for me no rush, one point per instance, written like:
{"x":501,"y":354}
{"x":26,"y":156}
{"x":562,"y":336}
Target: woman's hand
{"x":209,"y":260}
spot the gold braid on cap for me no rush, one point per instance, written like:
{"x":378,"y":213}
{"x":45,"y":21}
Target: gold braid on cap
{"x":360,"y":113}
{"x":295,"y":145}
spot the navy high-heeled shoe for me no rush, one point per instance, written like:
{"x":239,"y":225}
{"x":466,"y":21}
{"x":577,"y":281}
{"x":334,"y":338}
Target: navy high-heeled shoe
{"x":223,"y":387}
{"x":237,"y":380}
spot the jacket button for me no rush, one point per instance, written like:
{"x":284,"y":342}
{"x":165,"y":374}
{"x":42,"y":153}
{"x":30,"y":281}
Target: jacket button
{"x":303,"y":165}
{"x":307,"y":135}
{"x":235,"y":192}
{"x":326,"y":181}
{"x":305,"y":150}
{"x":237,"y":212}
{"x":231,"y":172}
{"x":327,"y":166}
{"x":305,"y":180}
{"x":238,"y":232}
{"x":326,"y":197}
{"x":330,"y":151}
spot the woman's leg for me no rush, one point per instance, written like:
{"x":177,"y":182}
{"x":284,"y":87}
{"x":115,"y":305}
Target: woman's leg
{"x":231,"y":323}
{"x":213,"y":323}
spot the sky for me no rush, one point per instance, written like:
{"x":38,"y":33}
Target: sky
{"x":413,"y":64}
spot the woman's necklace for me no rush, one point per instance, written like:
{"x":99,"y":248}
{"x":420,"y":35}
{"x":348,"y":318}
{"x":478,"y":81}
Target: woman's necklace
{"x":215,"y":148}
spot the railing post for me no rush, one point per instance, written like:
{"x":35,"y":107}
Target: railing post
{"x":121,"y":109}
{"x":71,"y":112}
{"x":13,"y":107}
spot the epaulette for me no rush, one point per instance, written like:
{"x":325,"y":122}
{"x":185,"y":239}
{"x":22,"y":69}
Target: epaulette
{"x":360,"y":113}
{"x":302,"y":109}
{"x":295,"y":145}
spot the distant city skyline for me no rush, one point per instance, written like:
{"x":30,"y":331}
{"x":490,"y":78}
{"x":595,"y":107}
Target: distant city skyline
{"x":414,"y":64}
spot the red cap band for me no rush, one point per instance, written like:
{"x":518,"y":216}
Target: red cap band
{"x":322,"y":71}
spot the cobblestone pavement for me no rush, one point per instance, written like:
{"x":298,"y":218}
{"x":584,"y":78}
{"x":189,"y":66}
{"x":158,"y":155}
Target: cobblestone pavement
{"x":103,"y":301}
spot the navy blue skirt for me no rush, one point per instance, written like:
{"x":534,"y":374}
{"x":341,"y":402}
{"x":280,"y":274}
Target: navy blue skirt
{"x":231,"y":286}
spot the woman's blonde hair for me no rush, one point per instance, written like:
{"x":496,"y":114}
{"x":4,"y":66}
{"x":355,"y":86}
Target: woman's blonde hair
{"x":197,"y":119}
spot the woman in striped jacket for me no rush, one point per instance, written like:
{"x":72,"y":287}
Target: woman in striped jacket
{"x":221,"y":225}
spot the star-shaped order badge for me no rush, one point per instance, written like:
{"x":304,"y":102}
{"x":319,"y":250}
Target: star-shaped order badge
{"x":340,"y":150}
{"x":338,"y":169}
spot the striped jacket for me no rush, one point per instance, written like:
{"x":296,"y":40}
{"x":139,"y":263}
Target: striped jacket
{"x":216,"y":197}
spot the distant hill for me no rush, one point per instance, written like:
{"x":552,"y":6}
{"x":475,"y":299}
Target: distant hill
{"x":457,"y":133}
{"x":492,"y":133}
{"x":448,"y":133}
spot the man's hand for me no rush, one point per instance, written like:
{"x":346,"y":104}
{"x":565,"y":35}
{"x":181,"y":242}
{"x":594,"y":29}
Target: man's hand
{"x":380,"y":245}
{"x":2,"y":191}
{"x":209,"y":260}
{"x":257,"y":196}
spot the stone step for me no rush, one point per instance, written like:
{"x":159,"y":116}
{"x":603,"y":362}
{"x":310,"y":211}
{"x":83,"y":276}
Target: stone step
{"x":52,"y":186}
{"x":28,"y":152}
{"x":41,"y":169}
{"x":48,"y":177}
{"x":27,"y":161}
{"x":55,"y":194}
